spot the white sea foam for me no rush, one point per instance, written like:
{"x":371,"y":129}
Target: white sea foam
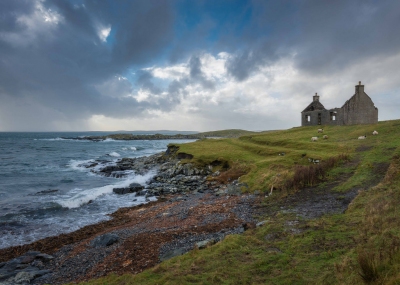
{"x":84,"y":196}
{"x":114,"y":154}
{"x":133,"y":148}
{"x":111,"y":140}
{"x":124,"y":148}
{"x":79,"y":164}
{"x":53,"y":139}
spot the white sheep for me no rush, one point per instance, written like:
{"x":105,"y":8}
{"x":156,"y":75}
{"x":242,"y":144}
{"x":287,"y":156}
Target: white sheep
{"x":314,"y":139}
{"x":320,"y":130}
{"x":362,"y":137}
{"x":325,"y":137}
{"x":374,"y":133}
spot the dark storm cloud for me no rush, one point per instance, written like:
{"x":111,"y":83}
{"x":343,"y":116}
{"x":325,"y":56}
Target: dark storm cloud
{"x":67,"y":69}
{"x":197,"y":75}
{"x":324,"y":36}
{"x":60,"y":65}
{"x":145,"y":81}
{"x":9,"y":10}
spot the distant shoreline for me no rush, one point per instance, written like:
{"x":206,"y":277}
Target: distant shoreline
{"x":125,"y":136}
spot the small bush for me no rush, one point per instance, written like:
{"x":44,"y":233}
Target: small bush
{"x":313,"y":174}
{"x":368,"y":266}
{"x":232,"y":173}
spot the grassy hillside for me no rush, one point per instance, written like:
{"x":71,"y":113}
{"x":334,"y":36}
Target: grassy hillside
{"x":233,"y":133}
{"x":359,"y":246}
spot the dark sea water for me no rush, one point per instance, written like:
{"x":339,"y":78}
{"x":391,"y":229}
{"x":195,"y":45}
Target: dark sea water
{"x":34,"y":164}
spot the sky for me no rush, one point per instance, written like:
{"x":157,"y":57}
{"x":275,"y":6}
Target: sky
{"x":195,"y":65}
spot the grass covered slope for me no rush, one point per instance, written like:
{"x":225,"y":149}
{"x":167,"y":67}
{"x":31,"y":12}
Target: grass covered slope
{"x":269,"y":159}
{"x":359,"y":246}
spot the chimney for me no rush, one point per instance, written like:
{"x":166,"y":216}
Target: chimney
{"x":316,"y":97}
{"x":359,"y":88}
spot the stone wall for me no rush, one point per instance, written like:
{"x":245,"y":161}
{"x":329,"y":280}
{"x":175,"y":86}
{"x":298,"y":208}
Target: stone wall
{"x":359,"y":109}
{"x":325,"y":115}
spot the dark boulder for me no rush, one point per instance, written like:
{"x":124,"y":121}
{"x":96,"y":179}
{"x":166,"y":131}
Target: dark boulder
{"x":132,"y":188}
{"x":141,"y":193}
{"x":121,"y":190}
{"x":135,"y":187}
{"x":105,"y":240}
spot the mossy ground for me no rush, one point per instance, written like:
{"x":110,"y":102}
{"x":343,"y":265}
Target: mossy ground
{"x":360,"y":246}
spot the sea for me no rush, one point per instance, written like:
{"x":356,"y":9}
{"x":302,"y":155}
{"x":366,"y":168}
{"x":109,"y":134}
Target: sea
{"x":46,"y":190}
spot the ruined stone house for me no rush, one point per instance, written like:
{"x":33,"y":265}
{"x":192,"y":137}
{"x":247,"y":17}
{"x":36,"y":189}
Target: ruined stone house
{"x":359,"y":109}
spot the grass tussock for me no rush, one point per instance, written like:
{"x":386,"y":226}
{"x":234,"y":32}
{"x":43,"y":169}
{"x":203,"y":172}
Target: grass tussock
{"x":368,"y":266}
{"x":311,"y":175}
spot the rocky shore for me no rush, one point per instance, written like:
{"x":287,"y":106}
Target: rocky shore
{"x":190,"y":211}
{"x":186,"y":209}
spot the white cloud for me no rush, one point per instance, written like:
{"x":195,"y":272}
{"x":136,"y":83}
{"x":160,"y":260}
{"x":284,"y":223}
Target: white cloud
{"x":40,"y":23}
{"x":104,"y":32}
{"x":273,"y":97}
{"x":174,"y":72}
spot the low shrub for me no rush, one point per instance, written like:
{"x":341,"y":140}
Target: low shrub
{"x":310,"y":175}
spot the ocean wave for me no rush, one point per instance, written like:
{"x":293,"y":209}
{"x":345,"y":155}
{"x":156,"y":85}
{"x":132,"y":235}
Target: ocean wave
{"x":111,"y":140}
{"x":129,"y":148}
{"x":80,"y":164}
{"x":52,"y":139}
{"x":85,"y":196}
{"x":114,"y":154}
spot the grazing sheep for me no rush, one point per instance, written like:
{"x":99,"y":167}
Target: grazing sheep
{"x":314,"y":139}
{"x":362,"y":137}
{"x":325,"y":137}
{"x":320,"y":130}
{"x":374,"y":133}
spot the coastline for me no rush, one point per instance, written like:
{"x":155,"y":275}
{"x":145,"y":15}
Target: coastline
{"x":189,"y":211}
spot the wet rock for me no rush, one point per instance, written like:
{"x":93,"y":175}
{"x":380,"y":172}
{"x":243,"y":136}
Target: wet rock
{"x":141,"y":193}
{"x":27,"y":259}
{"x":172,"y":253}
{"x":105,"y":240}
{"x":44,"y":192}
{"x":205,"y":243}
{"x":44,"y":257}
{"x":133,"y":187}
{"x":19,"y":270}
{"x":24,"y":277}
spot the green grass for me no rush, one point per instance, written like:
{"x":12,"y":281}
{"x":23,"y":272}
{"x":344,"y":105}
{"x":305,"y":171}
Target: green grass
{"x":233,"y":133}
{"x":360,"y":246}
{"x":259,"y":152}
